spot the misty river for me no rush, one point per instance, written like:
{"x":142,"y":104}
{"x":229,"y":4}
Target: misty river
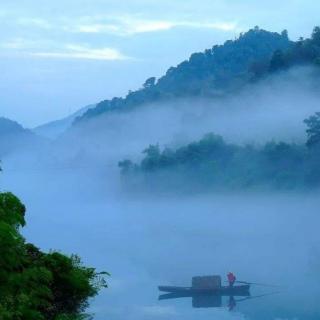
{"x":195,"y":151}
{"x":146,"y":241}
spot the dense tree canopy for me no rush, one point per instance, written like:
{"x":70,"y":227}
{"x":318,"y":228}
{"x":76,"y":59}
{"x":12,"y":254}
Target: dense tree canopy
{"x":313,"y":130}
{"x":35,"y":285}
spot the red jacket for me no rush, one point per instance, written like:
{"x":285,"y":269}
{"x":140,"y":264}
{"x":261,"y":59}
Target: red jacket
{"x":231,"y":277}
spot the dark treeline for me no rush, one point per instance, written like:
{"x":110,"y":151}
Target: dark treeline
{"x":35,"y":285}
{"x":221,"y":69}
{"x":304,"y":51}
{"x":211,"y":163}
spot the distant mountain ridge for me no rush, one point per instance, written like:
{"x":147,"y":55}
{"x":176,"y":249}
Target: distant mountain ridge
{"x":13,"y":137}
{"x":215,"y":71}
{"x":55,"y":128}
{"x":8,"y":126}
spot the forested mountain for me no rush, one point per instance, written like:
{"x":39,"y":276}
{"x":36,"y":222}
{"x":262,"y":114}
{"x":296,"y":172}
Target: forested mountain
{"x":221,"y":69}
{"x":209,"y":73}
{"x":14,"y":137}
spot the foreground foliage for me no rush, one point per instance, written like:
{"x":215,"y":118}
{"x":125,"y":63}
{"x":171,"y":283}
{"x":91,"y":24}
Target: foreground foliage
{"x":211,"y":163}
{"x":35,"y":285}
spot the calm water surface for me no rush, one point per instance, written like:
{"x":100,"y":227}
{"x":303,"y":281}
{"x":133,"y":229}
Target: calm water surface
{"x":149,"y":241}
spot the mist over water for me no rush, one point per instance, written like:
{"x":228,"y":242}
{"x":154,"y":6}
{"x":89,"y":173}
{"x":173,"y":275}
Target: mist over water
{"x":72,"y":190}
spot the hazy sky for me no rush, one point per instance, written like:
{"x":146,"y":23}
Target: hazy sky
{"x":57,"y":56}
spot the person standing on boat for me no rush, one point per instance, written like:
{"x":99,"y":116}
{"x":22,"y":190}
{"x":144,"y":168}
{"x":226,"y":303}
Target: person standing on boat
{"x":231,"y":279}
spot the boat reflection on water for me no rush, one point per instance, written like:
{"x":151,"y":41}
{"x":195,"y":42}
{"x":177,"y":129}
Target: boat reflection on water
{"x":207,"y":292}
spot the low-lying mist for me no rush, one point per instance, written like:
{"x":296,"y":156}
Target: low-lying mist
{"x":272,"y":109}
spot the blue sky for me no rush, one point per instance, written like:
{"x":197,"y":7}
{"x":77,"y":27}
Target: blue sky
{"x":57,"y":56}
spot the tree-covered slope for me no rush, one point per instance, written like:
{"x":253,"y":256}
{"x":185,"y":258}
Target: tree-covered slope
{"x":221,"y":69}
{"x":209,"y":73}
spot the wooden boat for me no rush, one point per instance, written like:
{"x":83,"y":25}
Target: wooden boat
{"x":241,"y":290}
